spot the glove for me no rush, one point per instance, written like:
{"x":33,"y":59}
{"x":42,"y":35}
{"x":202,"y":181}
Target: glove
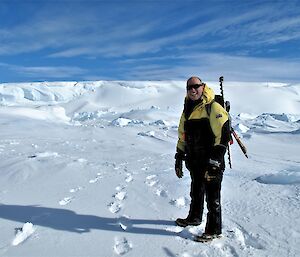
{"x":178,"y":168}
{"x":179,"y":157}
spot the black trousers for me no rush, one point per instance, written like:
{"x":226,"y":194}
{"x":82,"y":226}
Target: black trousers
{"x":211,"y":189}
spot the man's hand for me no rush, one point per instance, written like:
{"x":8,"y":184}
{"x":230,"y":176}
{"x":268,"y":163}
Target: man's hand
{"x":179,"y":157}
{"x":178,"y":168}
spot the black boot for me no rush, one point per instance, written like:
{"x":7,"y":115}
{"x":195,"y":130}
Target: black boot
{"x":188,"y":221}
{"x":207,"y":237}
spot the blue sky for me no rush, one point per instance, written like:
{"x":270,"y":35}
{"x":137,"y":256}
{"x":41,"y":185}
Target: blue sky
{"x":244,"y":40}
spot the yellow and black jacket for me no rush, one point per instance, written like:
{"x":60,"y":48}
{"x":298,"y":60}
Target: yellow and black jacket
{"x":203,"y":136}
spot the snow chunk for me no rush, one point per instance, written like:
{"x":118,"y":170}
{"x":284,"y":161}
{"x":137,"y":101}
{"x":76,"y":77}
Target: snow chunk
{"x":159,"y":123}
{"x":47,"y":154}
{"x":242,"y":128}
{"x":121,"y":122}
{"x":147,"y":134}
{"x":81,"y":160}
{"x":24,"y":233}
{"x":247,"y":116}
{"x":84,"y":116}
{"x":180,"y":202}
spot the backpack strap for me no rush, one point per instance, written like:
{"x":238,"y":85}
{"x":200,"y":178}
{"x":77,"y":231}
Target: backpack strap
{"x":208,"y":107}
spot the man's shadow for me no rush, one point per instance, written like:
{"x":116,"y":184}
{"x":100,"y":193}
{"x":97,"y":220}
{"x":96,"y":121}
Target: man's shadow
{"x":66,"y":220}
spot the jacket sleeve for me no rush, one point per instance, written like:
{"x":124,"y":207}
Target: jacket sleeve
{"x":181,"y":134}
{"x":219,"y":122}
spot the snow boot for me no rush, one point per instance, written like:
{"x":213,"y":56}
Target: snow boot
{"x":206,"y":237}
{"x":188,"y":222}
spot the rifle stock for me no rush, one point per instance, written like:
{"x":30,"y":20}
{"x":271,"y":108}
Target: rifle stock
{"x":238,"y":140}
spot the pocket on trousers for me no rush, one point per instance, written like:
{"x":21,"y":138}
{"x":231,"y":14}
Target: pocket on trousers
{"x":214,"y":176}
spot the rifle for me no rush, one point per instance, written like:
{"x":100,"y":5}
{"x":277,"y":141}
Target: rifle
{"x":238,"y":140}
{"x":226,"y":106}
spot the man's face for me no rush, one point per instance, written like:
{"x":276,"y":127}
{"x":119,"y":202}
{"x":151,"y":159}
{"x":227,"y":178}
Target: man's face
{"x":194,"y":89}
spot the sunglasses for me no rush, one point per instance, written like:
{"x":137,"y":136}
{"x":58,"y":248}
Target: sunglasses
{"x":195,"y":86}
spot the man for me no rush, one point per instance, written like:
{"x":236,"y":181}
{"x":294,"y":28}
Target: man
{"x":203,"y":138}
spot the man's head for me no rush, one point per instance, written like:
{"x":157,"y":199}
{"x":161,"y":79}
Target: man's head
{"x":194,"y":87}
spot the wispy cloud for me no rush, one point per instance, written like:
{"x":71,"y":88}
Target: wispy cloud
{"x":52,"y":72}
{"x":83,"y":28}
{"x":210,"y":66}
{"x":249,"y":28}
{"x":57,"y":72}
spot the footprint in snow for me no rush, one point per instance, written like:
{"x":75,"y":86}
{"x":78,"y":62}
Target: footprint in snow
{"x":120,"y":188}
{"x":122,"y":246}
{"x":66,"y":200}
{"x":69,"y":199}
{"x":161,"y":192}
{"x":74,"y":190}
{"x":129,"y":178}
{"x":151,"y":177}
{"x":151,"y":181}
{"x":245,"y":238}
{"x":114,"y":207}
{"x":98,"y":177}
{"x":120,"y":195}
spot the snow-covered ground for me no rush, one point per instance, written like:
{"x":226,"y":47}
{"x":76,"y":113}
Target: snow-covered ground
{"x":87,"y":169}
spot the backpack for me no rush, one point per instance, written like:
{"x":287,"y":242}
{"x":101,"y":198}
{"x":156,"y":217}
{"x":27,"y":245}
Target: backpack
{"x":218,"y":99}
